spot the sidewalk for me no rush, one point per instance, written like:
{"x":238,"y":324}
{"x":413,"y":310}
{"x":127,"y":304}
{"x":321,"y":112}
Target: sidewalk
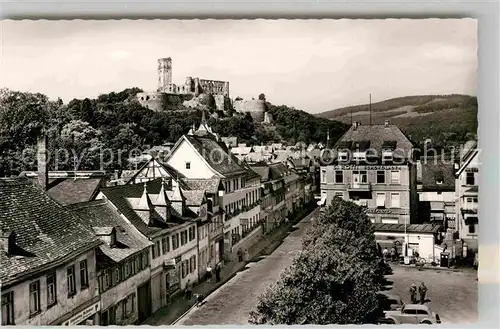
{"x":169,"y":314}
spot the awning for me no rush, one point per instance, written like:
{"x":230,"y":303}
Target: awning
{"x":322,"y":201}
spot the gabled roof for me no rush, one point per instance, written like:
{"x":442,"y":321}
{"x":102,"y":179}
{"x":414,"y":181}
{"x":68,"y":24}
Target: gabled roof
{"x":73,"y":190}
{"x":210,"y":185}
{"x":194,"y":198}
{"x":468,"y":153}
{"x":434,"y":170}
{"x":377,"y":135}
{"x":215,"y":154}
{"x":145,"y":167}
{"x":99,"y":213}
{"x":119,"y":195}
{"x":263,"y":172}
{"x":45,"y":231}
{"x":278,"y":170}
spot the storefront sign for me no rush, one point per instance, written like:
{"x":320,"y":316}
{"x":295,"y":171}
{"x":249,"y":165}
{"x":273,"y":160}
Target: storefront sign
{"x":83,"y":315}
{"x":471,"y":170}
{"x":378,"y":211}
{"x":356,"y":167}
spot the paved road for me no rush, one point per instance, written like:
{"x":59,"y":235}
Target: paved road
{"x":452,"y":295}
{"x":232,"y":303}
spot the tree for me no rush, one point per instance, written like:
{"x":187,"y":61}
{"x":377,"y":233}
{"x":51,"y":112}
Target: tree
{"x":82,"y":143}
{"x":336,"y":278}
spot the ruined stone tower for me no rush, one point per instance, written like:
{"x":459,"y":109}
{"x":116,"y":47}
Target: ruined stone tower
{"x":164,"y":73}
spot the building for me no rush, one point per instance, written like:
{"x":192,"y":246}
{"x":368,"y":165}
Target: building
{"x":436,"y":191}
{"x":372,"y":166}
{"x":202,"y":155}
{"x":123,"y":271}
{"x":47,"y":260}
{"x":194,"y":91}
{"x":158,"y":211}
{"x":466,"y":193}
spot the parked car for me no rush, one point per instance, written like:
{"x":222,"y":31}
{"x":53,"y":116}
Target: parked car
{"x":412,"y":314}
{"x":390,"y":302}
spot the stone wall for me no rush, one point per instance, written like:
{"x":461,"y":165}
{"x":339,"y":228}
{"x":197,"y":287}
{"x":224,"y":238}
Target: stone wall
{"x":255,"y":107}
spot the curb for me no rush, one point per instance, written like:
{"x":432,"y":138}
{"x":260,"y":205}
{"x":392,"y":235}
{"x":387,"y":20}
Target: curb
{"x":274,"y":243}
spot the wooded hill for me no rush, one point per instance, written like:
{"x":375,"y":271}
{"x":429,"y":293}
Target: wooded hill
{"x":448,"y":120}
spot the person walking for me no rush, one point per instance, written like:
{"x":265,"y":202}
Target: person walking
{"x":217,"y":272}
{"x":422,"y":291}
{"x":413,"y":293}
{"x":189,"y":289}
{"x":240,"y":255}
{"x":247,"y":256}
{"x":384,"y":253}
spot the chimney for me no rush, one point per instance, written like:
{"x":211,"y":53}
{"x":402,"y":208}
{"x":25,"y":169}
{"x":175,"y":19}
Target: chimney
{"x":42,"y":161}
{"x":386,"y":123}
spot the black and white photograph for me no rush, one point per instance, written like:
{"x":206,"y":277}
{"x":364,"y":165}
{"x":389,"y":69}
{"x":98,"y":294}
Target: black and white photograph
{"x":239,"y":172}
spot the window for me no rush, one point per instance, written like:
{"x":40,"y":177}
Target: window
{"x":117,"y":275}
{"x":165,"y":245}
{"x":112,"y":315}
{"x":470,"y":179}
{"x":84,"y":275}
{"x":343,"y":156}
{"x":8,"y":308}
{"x":191,"y":233}
{"x":71,"y":280}
{"x":380,"y":177}
{"x":359,"y":177}
{"x":183,"y":237}
{"x":380,"y":200}
{"x":188,"y":165}
{"x":323,"y":176}
{"x":51,"y":289}
{"x":413,"y":312}
{"x":339,"y":176}
{"x":156,"y":249}
{"x":395,"y":177}
{"x":137,"y":264}
{"x":145,"y":260}
{"x":34,"y":297}
{"x":395,"y":200}
{"x":175,"y":241}
{"x":422,"y":312}
{"x":472,"y":229}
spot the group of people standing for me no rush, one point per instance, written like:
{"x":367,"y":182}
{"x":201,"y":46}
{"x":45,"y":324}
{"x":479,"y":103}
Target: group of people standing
{"x":422,"y":291}
{"x":392,"y":254}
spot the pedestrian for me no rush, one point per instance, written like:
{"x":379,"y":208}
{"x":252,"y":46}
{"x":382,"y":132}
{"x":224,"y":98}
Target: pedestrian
{"x":413,"y":293}
{"x":189,"y":289}
{"x":385,"y":252}
{"x":422,"y":290}
{"x":209,"y":272}
{"x":393,"y":254}
{"x":217,"y":272}
{"x":240,"y":255}
{"x":247,"y":255}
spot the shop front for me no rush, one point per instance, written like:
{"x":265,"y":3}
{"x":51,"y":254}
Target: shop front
{"x":87,"y":316}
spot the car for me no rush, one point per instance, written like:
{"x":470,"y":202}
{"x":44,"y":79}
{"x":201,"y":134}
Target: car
{"x":412,"y":314}
{"x":390,"y":302}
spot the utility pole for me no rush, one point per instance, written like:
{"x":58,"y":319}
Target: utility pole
{"x":370,"y":109}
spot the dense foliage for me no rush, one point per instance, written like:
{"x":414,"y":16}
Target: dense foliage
{"x":334,"y":280}
{"x":116,"y":122}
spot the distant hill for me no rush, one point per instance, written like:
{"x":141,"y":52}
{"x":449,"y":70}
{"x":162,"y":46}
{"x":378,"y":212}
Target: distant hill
{"x":447,"y":120}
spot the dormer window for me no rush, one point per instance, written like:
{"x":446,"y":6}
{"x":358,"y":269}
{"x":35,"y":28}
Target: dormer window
{"x":343,"y":156}
{"x":387,"y":155}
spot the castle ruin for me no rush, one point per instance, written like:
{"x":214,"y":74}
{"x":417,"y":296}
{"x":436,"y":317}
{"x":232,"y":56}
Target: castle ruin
{"x":195,"y":93}
{"x":193,"y":88}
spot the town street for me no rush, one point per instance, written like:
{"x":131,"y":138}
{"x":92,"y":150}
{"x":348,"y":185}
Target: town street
{"x":232,"y":303}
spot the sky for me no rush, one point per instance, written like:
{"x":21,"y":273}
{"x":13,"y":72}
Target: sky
{"x":312,"y":65}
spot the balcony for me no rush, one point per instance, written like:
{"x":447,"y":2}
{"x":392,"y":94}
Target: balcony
{"x":359,"y":187}
{"x":469,"y":209}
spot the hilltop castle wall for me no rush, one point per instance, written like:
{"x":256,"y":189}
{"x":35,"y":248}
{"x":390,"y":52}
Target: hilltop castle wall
{"x":169,"y":92}
{"x":255,"y":107}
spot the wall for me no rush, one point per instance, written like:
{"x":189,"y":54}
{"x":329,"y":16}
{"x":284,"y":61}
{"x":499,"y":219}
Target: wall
{"x":119,"y":292}
{"x":434,"y":196}
{"x":255,"y":107}
{"x":199,"y":169}
{"x":155,"y":101}
{"x":214,"y":87}
{"x":425,"y":242}
{"x":64,"y":304}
